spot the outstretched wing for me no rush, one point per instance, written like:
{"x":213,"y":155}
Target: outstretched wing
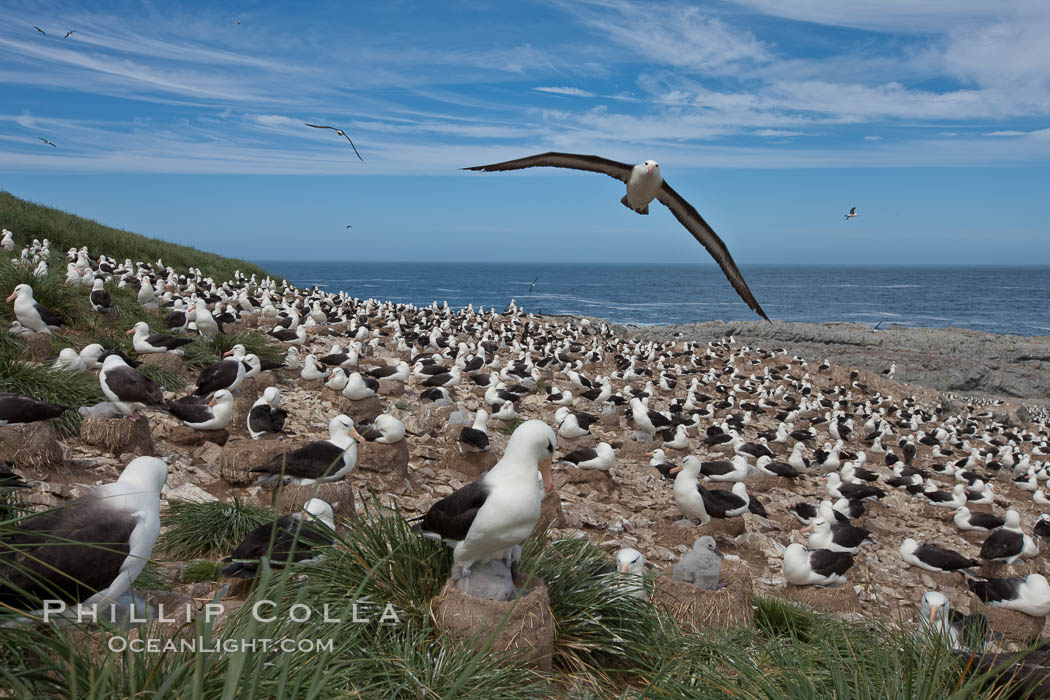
{"x":572,"y":161}
{"x":695,"y":224}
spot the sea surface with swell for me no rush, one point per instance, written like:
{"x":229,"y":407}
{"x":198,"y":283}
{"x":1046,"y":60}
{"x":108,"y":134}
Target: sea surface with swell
{"x":991,"y":299}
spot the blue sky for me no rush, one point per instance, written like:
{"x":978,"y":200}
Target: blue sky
{"x":772,"y":118}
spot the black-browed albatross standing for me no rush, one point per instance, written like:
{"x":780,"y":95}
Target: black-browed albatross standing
{"x":489,"y":517}
{"x":90,"y":550}
{"x":644,"y":183}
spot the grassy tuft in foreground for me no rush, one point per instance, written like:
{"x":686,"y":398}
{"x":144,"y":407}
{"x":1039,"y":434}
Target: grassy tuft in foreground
{"x":607,"y":645}
{"x":208,"y":529}
{"x":59,"y":386}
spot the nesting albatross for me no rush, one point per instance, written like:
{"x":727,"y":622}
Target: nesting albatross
{"x":295,"y":536}
{"x":317,"y":462}
{"x":488,"y":518}
{"x":90,"y":550}
{"x":644,"y":183}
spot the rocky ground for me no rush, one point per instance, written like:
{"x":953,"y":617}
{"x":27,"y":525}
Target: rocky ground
{"x":630,"y":506}
{"x":947,"y":359}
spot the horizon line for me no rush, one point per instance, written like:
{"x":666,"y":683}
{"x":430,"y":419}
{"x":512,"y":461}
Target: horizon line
{"x":261,"y":261}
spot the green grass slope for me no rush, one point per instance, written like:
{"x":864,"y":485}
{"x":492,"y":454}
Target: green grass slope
{"x":28,"y":220}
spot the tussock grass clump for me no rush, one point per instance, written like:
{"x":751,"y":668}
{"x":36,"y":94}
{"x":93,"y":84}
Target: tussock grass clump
{"x":389,"y":561}
{"x":167,"y":379}
{"x":608,"y":645}
{"x":51,"y":290}
{"x":203,"y":352}
{"x":600,"y":627}
{"x":208,"y":529}
{"x":59,"y":386}
{"x":153,"y":578}
{"x":29,"y":220}
{"x":509,"y":428}
{"x":201,"y":570}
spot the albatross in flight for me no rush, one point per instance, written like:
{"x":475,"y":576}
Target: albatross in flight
{"x":47,"y":142}
{"x":644,"y":183}
{"x":852,"y":213}
{"x":341,"y":133}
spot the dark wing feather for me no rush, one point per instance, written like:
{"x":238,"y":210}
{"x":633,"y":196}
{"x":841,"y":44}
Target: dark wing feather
{"x":101,"y":298}
{"x":167,"y":341}
{"x":39,"y":560}
{"x":133,"y":386}
{"x":1002,"y":544}
{"x":825,"y":562}
{"x":371,"y":434}
{"x":312,"y":461}
{"x":265,"y":419}
{"x":584,"y":454}
{"x":287,"y":537}
{"x":702,"y":231}
{"x":572,"y":161}
{"x":995,"y":589}
{"x":191,"y":409}
{"x":217,"y":376}
{"x":266,"y":364}
{"x":452,"y":516}
{"x":15,"y":408}
{"x":475,"y":438}
{"x":48,"y":316}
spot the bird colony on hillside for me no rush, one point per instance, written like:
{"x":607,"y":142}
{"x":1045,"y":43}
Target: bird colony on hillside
{"x":803,"y":475}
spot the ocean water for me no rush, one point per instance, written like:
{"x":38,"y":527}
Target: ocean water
{"x":992,"y":299}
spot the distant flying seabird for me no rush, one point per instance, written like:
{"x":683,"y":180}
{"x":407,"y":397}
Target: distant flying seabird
{"x":341,"y":133}
{"x":533,"y":285}
{"x":644,"y":183}
{"x":70,"y":33}
{"x":349,"y":226}
{"x":47,"y":142}
{"x":852,"y":213}
{"x":40,"y":30}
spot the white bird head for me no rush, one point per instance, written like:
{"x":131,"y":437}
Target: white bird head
{"x":316,"y":509}
{"x":533,"y":441}
{"x":149,"y":473}
{"x":20,"y":291}
{"x":707,"y":542}
{"x":934,"y":606}
{"x":630,"y":561}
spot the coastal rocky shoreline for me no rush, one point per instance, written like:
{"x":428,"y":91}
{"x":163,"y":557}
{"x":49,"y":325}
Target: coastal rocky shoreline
{"x":953,"y":360}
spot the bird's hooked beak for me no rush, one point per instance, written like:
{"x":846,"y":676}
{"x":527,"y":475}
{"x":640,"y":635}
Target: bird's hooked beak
{"x":719,"y":553}
{"x":675,"y":470}
{"x":130,"y":331}
{"x":623,"y":568}
{"x":13,"y":295}
{"x":212,"y":402}
{"x":356,"y":435}
{"x":651,"y":167}
{"x":807,"y":528}
{"x":545,"y":471}
{"x":228,"y":353}
{"x":933,"y":613}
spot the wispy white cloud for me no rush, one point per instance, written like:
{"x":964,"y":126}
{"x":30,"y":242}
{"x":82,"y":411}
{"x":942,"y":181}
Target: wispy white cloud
{"x":682,"y":36}
{"x":680,"y":82}
{"x":570,"y":91}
